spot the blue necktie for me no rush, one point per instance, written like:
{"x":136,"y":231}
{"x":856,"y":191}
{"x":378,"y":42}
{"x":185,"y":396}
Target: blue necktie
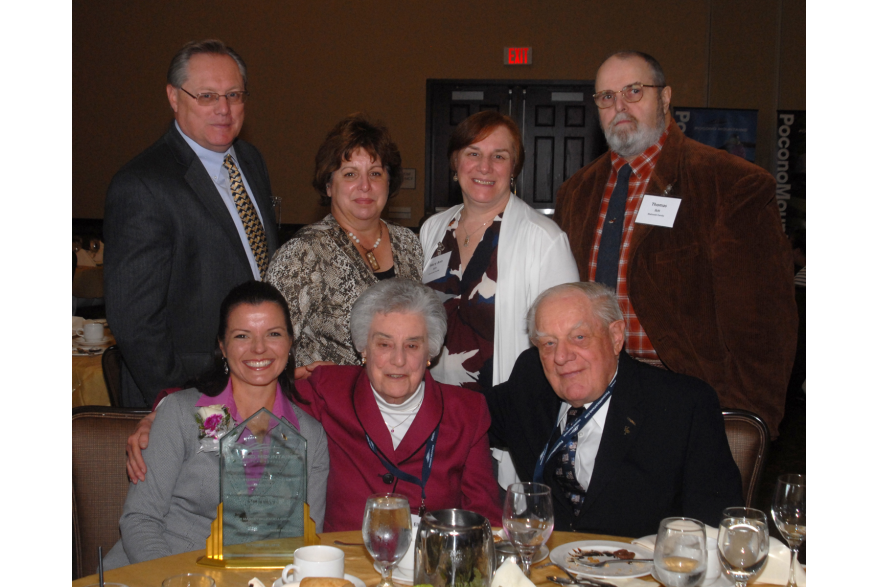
{"x":613,"y":227}
{"x":565,"y":473}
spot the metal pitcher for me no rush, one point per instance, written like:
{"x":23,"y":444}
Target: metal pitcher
{"x":454,"y":548}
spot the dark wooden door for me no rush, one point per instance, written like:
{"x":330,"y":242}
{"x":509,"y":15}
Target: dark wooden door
{"x":558,"y":123}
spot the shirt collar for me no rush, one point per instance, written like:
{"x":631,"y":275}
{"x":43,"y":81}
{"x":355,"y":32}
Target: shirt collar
{"x":211,"y":160}
{"x":644,"y":162}
{"x":282,"y":407}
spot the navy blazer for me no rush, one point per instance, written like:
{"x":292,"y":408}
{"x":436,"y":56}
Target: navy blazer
{"x":664,"y":451}
{"x":172,"y":254}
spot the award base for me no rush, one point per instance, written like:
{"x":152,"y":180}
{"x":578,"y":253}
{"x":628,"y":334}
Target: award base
{"x":263,"y":554}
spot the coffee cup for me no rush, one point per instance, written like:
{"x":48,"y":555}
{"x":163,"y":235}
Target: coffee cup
{"x":315,"y":561}
{"x":712,"y":559}
{"x":93,"y":332}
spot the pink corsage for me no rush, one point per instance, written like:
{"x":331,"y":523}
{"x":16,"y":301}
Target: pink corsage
{"x":214,"y":422}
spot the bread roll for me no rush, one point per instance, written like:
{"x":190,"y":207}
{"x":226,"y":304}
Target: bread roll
{"x":325,"y":582}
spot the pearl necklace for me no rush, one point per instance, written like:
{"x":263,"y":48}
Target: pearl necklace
{"x":369,"y":253}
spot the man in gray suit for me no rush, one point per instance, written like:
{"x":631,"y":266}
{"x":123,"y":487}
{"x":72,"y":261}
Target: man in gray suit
{"x":185,"y":221}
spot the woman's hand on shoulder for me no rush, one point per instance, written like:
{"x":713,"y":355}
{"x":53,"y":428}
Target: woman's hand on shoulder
{"x":137,"y":442}
{"x":305,"y":371}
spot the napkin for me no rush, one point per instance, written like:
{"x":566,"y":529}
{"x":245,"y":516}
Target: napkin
{"x":255,"y":582}
{"x":510,"y":575}
{"x":775,"y":571}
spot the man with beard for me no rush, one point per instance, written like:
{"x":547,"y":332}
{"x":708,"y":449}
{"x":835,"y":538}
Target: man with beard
{"x":691,"y":240}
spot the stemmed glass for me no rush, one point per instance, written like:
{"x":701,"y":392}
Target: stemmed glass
{"x":386,"y":531}
{"x":528,"y":519}
{"x":680,"y":552}
{"x":743,"y":543}
{"x":790,"y":515}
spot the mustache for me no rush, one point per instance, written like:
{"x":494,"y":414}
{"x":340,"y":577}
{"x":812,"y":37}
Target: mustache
{"x":622,"y":116}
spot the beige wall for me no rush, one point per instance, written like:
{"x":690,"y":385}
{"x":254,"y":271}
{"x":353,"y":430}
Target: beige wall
{"x":313,"y":62}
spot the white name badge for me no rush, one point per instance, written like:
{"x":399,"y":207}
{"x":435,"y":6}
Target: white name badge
{"x":658,"y":210}
{"x":437,"y":267}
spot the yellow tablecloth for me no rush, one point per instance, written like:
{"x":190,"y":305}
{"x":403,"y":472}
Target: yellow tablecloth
{"x":89,"y":388}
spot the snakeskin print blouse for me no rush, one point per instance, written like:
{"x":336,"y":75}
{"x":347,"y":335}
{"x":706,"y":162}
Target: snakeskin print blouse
{"x":320,"y":273}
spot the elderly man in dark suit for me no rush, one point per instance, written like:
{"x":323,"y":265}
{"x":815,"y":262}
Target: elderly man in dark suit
{"x":691,"y":240}
{"x":185,"y":221}
{"x":621,"y":444}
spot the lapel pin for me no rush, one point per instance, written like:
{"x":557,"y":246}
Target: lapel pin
{"x":631,"y":421}
{"x":626,"y":430}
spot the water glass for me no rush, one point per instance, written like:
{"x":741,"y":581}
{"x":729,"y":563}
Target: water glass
{"x":790,"y":515}
{"x":681,"y":552}
{"x":386,"y":531}
{"x":743,"y":543}
{"x":528,"y":519}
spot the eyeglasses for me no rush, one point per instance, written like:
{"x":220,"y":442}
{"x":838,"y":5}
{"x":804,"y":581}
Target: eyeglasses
{"x":209,"y":98}
{"x":631,"y":93}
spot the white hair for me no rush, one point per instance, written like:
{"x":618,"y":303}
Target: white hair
{"x":404,"y":296}
{"x":604,"y":303}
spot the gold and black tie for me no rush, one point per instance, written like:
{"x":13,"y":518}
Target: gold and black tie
{"x":249,"y":217}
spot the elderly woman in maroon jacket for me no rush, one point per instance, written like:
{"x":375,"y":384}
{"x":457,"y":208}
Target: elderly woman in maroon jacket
{"x":383,"y":419}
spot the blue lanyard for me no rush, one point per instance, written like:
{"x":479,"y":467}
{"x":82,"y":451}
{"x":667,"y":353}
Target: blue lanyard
{"x":400,"y":474}
{"x":570,"y":431}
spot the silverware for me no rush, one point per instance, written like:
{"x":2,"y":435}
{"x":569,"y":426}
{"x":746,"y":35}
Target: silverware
{"x":585,"y":581}
{"x":340,"y":543}
{"x":100,"y":566}
{"x":610,"y":561}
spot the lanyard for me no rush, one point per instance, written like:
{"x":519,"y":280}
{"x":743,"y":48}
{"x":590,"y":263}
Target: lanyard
{"x":400,"y":474}
{"x":570,"y":431}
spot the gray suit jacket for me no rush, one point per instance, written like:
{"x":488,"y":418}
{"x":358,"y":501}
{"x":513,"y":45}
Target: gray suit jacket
{"x":172,"y":255}
{"x":171,"y":511}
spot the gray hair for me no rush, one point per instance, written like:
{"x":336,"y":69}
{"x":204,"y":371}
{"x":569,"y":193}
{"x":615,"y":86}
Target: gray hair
{"x":404,"y":296}
{"x":178,"y":72}
{"x":603,"y":302}
{"x":657,"y":71}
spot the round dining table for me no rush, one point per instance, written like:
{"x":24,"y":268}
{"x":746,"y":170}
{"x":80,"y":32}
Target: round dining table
{"x":357,"y":562}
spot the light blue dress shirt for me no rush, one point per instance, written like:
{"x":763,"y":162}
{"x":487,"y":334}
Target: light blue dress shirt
{"x":213,"y":163}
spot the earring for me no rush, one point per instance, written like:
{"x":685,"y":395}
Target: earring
{"x":455,"y":176}
{"x":512,"y":183}
{"x":225,"y":365}
{"x":428,"y":363}
{"x":363,"y":361}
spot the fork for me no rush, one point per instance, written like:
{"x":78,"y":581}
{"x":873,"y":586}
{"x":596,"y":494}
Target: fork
{"x":610,"y":561}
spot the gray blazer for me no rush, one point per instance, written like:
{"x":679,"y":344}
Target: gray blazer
{"x":171,"y":511}
{"x":172,"y":254}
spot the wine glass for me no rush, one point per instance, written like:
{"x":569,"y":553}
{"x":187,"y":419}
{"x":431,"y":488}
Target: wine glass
{"x":790,"y":515}
{"x":680,"y":552}
{"x":386,"y":531}
{"x":528,"y":519}
{"x":743,"y":543}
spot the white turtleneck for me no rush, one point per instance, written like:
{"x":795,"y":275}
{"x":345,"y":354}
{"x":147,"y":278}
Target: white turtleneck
{"x":398,"y":417}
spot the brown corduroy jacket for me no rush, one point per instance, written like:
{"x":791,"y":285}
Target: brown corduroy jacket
{"x":715,"y":292}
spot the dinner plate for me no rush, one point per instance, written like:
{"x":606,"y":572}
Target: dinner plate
{"x":540,"y":555}
{"x":562,"y":556}
{"x":403,"y":576}
{"x":81,"y":340}
{"x":357,"y":582}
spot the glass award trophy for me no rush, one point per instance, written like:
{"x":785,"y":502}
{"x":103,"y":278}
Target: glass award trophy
{"x":263,"y":515}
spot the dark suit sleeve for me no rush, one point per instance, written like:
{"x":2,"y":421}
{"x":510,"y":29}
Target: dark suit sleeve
{"x":139,"y":236}
{"x":755,"y":304}
{"x":711,"y":480}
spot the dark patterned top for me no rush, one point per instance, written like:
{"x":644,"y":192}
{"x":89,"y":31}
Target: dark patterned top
{"x":320,"y":273}
{"x":467,"y":357}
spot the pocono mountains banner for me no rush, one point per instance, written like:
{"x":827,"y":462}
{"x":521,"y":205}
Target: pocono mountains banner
{"x":791,"y":150}
{"x":731,"y":130}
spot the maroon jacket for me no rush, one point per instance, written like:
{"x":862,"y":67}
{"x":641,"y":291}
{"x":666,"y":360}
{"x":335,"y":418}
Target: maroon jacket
{"x":714,"y":293}
{"x":462,"y":475}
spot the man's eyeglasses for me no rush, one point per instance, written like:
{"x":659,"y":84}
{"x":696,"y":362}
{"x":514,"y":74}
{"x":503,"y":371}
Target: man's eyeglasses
{"x":631,"y":93}
{"x":210,"y":98}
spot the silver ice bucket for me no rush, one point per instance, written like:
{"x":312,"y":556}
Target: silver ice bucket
{"x":454,"y":548}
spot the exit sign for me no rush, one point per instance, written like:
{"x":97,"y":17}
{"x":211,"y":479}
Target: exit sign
{"x":517,"y":56}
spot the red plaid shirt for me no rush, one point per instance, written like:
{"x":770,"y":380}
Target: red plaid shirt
{"x":637,"y":341}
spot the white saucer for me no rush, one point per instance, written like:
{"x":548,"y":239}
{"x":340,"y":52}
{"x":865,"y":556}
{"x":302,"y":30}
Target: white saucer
{"x":400,"y":575}
{"x":81,"y":340}
{"x":357,"y":582}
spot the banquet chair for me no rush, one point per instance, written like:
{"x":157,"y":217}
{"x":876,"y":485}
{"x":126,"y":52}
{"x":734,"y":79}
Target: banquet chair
{"x":111,"y":364}
{"x":749,"y":439}
{"x":100,"y":480}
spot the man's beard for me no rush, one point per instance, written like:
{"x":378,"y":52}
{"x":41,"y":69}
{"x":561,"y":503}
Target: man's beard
{"x":630,"y":143}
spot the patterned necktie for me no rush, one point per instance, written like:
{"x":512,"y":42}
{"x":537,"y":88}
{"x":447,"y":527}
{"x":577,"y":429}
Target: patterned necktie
{"x":249,"y":217}
{"x":613,"y":226}
{"x":566,"y":469}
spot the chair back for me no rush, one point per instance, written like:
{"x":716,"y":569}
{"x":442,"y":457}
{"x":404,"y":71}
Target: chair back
{"x":749,"y":439}
{"x":100,"y":480}
{"x":111,"y":364}
{"x":88,"y":282}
